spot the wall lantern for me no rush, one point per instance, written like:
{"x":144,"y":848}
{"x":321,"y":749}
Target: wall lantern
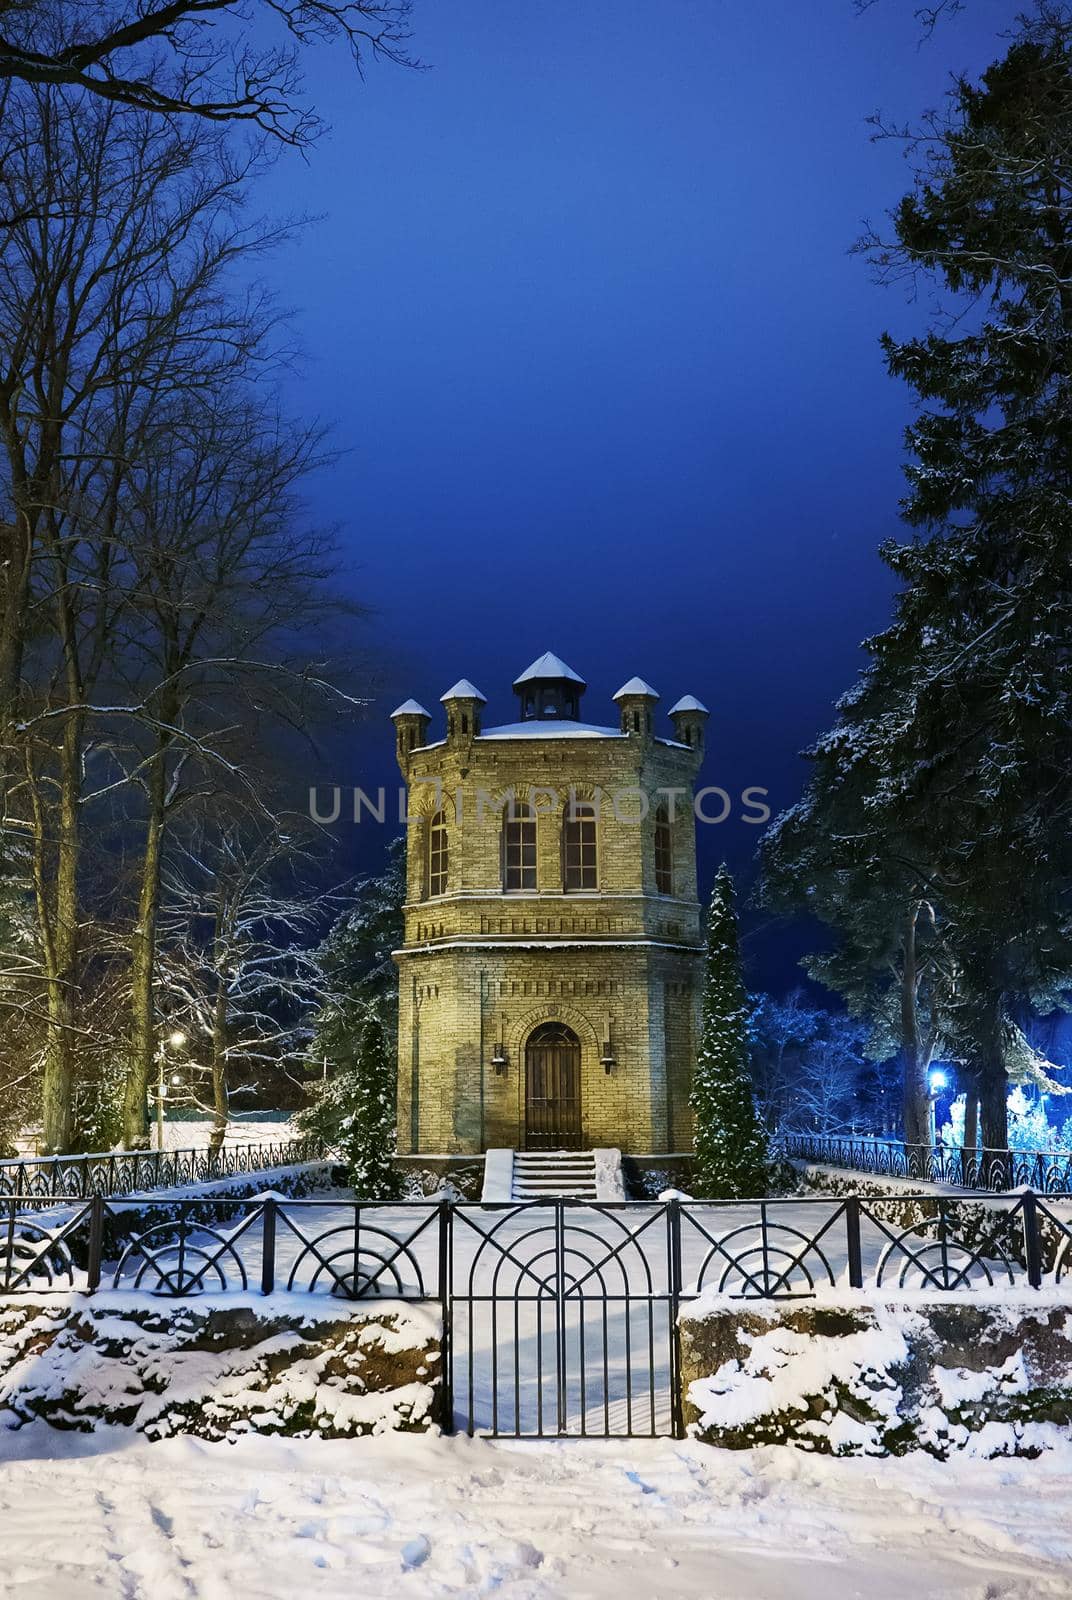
{"x":607,"y":1060}
{"x":498,"y":1060}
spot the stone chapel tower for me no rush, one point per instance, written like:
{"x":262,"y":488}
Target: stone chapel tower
{"x":550,"y":975}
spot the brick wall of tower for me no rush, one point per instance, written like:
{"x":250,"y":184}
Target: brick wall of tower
{"x":457,"y":1006}
{"x":480,"y":966}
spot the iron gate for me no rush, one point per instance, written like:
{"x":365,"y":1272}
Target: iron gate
{"x":564,"y":1320}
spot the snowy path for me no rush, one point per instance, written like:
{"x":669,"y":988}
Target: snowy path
{"x":269,"y":1520}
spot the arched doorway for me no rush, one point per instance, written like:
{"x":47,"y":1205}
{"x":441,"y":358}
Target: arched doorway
{"x":553,"y":1088}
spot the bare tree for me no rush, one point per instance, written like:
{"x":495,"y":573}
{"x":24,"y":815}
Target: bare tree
{"x":210,"y":58}
{"x":231,"y":585}
{"x":240,"y":964}
{"x":112,"y":302}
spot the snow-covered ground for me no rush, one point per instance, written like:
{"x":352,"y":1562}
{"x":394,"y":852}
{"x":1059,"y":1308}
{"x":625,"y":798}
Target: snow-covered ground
{"x":254,"y":1128}
{"x":265,"y":1127}
{"x":398,"y":1516}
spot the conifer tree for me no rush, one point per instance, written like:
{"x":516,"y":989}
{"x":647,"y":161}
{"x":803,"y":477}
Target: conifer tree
{"x":976,"y":767}
{"x":354,"y":1112}
{"x":355,"y":1108}
{"x":944,"y":786}
{"x":731,"y":1148}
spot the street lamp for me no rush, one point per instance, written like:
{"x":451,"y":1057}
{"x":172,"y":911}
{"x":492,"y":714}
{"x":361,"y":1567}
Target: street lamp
{"x":176,"y":1039}
{"x":937,"y":1079}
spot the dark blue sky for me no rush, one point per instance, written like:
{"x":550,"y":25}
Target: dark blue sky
{"x":582,"y":313}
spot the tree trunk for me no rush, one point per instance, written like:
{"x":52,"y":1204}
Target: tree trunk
{"x":60,"y":922}
{"x":992,"y":1077}
{"x":16,"y":546}
{"x":143,"y":961}
{"x":58,"y":1077}
{"x":220,"y":1106}
{"x":917,"y":1115}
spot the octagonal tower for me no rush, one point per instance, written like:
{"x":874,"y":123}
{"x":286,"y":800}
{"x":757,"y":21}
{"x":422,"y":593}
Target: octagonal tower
{"x":550,"y":973}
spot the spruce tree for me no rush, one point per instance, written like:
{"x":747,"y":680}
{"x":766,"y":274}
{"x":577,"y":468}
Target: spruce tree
{"x":354,"y":1110}
{"x":731,"y":1147}
{"x":842,"y":855}
{"x":940,"y":803}
{"x":976,"y":764}
{"x":368,"y":1138}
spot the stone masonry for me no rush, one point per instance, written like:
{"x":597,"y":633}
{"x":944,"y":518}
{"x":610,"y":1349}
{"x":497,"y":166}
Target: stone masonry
{"x":616,"y":962}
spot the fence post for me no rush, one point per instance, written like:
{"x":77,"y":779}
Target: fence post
{"x":852,"y":1239}
{"x":96,"y":1243}
{"x":268,"y":1208}
{"x":9,"y":1251}
{"x":446,"y":1351}
{"x":1032,"y":1241}
{"x":677,"y":1408}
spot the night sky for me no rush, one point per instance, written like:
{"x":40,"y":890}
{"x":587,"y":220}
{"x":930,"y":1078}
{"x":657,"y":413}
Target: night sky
{"x":582,"y":314}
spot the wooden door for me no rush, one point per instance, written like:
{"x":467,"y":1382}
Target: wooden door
{"x":553,"y":1089}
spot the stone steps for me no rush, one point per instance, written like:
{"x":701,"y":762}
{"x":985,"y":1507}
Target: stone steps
{"x":553,"y":1174}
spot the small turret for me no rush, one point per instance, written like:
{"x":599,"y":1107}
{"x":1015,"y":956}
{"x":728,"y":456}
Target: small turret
{"x":463,"y":701}
{"x":636,"y":700}
{"x":689,"y":716}
{"x":411,"y":729}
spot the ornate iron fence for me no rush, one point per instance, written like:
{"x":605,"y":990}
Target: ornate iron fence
{"x":1046,"y":1171}
{"x":123,"y":1172}
{"x":559,"y":1317}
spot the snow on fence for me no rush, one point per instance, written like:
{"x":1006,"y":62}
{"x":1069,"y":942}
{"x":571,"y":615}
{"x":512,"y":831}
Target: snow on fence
{"x":124,"y":1172}
{"x":560,"y":1317}
{"x":1045,"y":1171}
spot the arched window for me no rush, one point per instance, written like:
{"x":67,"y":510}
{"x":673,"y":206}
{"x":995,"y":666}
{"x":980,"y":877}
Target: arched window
{"x":579,"y":847}
{"x":519,"y":848}
{"x":437,"y":855}
{"x":664,"y":850}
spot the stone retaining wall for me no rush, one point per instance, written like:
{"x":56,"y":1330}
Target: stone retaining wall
{"x":986,"y":1375}
{"x":220,"y":1366}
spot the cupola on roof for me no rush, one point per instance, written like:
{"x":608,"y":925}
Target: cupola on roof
{"x":410,"y":708}
{"x":548,"y":668}
{"x":689,"y":702}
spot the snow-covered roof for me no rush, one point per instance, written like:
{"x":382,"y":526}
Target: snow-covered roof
{"x":689,"y":702}
{"x":549,"y":666}
{"x":410,"y":708}
{"x":551,"y":729}
{"x":463,"y":690}
{"x":637,"y":686}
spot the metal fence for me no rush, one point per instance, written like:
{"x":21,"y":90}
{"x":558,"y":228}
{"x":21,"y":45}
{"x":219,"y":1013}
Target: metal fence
{"x":559,"y":1317}
{"x":122,"y":1172}
{"x":1046,"y":1171}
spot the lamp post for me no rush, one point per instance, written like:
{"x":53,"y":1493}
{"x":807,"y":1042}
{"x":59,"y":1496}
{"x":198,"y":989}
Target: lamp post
{"x":176,"y":1040}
